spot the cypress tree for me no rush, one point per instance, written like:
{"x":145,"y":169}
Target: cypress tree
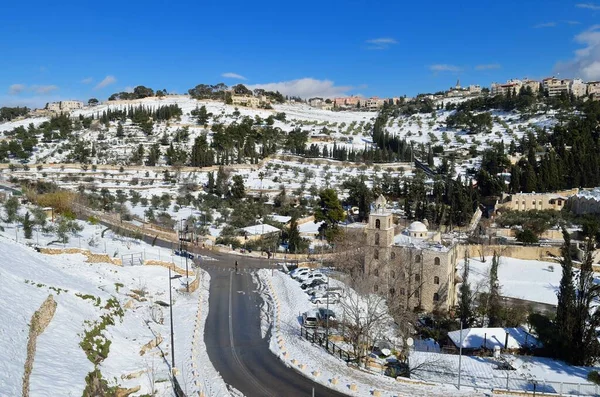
{"x":494,"y":305}
{"x":465,"y":311}
{"x":565,"y":309}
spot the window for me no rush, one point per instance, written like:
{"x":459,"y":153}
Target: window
{"x":376,"y":238}
{"x":402,"y":291}
{"x":392,"y":291}
{"x":376,"y":254}
{"x":417,"y":293}
{"x":402,"y":275}
{"x":377,"y":224}
{"x":418,"y":259}
{"x":417,"y":277}
{"x":436,"y":297}
{"x":436,"y":261}
{"x":436,"y":280}
{"x":393,"y":274}
{"x":389,"y":223}
{"x":376,"y":272}
{"x":375,"y":288}
{"x":393,"y":255}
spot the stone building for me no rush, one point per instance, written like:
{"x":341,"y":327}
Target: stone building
{"x":536,"y":201}
{"x":413,"y":267}
{"x":585,"y":202}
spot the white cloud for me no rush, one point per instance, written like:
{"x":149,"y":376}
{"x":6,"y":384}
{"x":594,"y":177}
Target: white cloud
{"x":87,"y":80}
{"x":43,"y":89}
{"x":488,"y":66}
{"x":231,"y":75}
{"x":545,"y":25}
{"x":572,"y":22}
{"x":589,"y":6}
{"x":444,"y":67}
{"x":305,"y":88}
{"x":16,"y":89}
{"x":381,"y":43}
{"x":108,"y":80}
{"x":586,"y":62}
{"x":32,"y":102}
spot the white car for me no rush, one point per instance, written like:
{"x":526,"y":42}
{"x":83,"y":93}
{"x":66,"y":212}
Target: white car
{"x":310,"y":319}
{"x":329,"y":298}
{"x":299,"y":272}
{"x":308,"y":277}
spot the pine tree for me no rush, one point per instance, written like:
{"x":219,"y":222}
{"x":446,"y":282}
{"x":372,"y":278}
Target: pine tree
{"x":120,"y":131}
{"x":494,"y":303}
{"x":238,"y":191}
{"x":330,"y":211}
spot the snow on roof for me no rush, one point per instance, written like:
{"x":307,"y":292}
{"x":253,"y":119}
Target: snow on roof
{"x":488,"y":338}
{"x":281,"y":218}
{"x":417,"y":227}
{"x":258,"y":230}
{"x":592,"y":193}
{"x":310,"y":227}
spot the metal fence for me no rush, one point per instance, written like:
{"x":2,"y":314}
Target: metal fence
{"x":508,"y":381}
{"x":320,"y":338}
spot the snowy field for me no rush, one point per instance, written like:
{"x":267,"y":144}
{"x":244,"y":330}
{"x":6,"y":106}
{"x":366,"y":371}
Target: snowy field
{"x":535,"y":281}
{"x":81,"y":291}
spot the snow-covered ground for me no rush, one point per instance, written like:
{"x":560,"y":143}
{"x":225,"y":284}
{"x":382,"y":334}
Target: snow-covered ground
{"x":82,"y":290}
{"x":535,"y":281}
{"x":289,"y":302}
{"x":440,"y":371}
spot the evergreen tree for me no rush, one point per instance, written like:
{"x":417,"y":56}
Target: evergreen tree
{"x":465,"y":309}
{"x":494,"y":303}
{"x":11,"y":207}
{"x":120,"y":131}
{"x":27,"y":225}
{"x":329,"y":210}
{"x":238,"y":191}
{"x":294,"y":238}
{"x":565,"y":309}
{"x":586,"y":348}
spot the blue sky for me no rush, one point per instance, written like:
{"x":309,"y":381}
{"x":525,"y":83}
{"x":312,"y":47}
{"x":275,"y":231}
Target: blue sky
{"x":78,"y":49}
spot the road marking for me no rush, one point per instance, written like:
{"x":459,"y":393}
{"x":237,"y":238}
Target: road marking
{"x":251,"y":377}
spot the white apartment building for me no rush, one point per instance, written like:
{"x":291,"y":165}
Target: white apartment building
{"x":245,"y":100}
{"x":556,"y":86}
{"x":578,"y":88}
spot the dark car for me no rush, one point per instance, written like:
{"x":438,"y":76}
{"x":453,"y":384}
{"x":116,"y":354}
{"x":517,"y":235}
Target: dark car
{"x":397,"y":368}
{"x":323,"y":314}
{"x":184,"y":254}
{"x":312,"y":284}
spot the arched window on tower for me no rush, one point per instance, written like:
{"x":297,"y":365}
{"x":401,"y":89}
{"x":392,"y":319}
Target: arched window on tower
{"x":393,"y":274}
{"x":392,"y":255}
{"x":418,"y":259}
{"x":436,"y":280}
{"x":376,"y":254}
{"x":377,"y":224}
{"x":436,"y":261}
{"x":376,"y":238}
{"x":375,"y":288}
{"x":376,"y":272}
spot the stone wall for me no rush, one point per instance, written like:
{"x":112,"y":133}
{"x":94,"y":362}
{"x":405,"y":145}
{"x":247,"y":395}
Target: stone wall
{"x":513,"y":251}
{"x":39,"y":321}
{"x":91,"y":257}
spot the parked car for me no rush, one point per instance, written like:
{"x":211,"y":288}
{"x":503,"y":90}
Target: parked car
{"x":329,"y":297}
{"x":299,"y":272}
{"x":316,"y":293}
{"x":311,"y":284}
{"x":309,"y":319}
{"x":184,"y":254}
{"x":323,"y":314}
{"x":312,"y":276}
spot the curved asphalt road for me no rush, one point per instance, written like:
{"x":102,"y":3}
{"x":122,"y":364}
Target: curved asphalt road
{"x":233,"y":337}
{"x":233,"y":331}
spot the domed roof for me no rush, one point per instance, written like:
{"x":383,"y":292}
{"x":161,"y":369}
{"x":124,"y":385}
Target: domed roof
{"x":417,"y":227}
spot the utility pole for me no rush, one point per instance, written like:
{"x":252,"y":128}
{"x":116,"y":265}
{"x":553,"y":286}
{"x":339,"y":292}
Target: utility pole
{"x":460,"y":353}
{"x":184,"y":238}
{"x":171,"y":315}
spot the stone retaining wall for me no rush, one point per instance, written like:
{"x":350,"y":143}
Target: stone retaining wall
{"x":39,"y":321}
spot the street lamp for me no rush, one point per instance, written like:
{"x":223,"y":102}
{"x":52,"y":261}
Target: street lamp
{"x":171,"y":313}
